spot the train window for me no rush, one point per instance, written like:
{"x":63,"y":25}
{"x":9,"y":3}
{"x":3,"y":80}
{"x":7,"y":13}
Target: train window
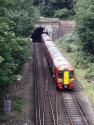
{"x":60,"y":74}
{"x":71,"y":74}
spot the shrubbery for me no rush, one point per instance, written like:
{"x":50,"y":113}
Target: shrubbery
{"x":64,"y":13}
{"x":47,"y":11}
{"x":56,"y":8}
{"x":16,"y":23}
{"x":85,"y":24}
{"x":18,"y":105}
{"x":90,"y":72}
{"x":83,"y":60}
{"x":66,"y":42}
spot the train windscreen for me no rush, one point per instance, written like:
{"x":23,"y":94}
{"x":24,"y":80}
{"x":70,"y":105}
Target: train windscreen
{"x":60,"y":74}
{"x":71,"y":74}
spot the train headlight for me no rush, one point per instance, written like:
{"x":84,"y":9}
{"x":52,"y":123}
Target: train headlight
{"x":72,"y":82}
{"x":60,"y":80}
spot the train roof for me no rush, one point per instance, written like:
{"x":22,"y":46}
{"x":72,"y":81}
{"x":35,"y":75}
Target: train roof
{"x":46,"y":37}
{"x":57,"y":57}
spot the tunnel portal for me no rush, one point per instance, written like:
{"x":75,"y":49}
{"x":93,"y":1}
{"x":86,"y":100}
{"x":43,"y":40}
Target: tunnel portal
{"x":36,"y":36}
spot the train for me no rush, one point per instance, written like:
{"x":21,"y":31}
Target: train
{"x":63,"y":71}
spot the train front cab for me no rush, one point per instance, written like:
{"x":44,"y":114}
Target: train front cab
{"x":65,"y":79}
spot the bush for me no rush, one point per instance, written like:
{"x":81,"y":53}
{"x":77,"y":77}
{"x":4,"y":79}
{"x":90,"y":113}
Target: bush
{"x":90,"y":72}
{"x":47,"y":11}
{"x":85,"y":26}
{"x":83,"y":60}
{"x":71,"y":37}
{"x":18,"y":104}
{"x":80,"y":60}
{"x":66,"y":47}
{"x":69,"y":42}
{"x":63,"y":13}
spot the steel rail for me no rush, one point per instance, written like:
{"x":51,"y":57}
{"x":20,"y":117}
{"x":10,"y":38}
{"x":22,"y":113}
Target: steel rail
{"x":71,"y":122}
{"x":35,"y":81}
{"x":45,"y":82}
{"x":71,"y":104}
{"x":45,"y":71}
{"x":44,"y":104}
{"x":41,"y":120}
{"x":81,"y":112}
{"x":37,"y":107}
{"x":52,"y":109}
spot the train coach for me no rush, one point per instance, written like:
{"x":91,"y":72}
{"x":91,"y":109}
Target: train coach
{"x":63,"y":71}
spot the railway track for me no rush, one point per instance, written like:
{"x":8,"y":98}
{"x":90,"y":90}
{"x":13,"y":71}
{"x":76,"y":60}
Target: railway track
{"x":73,"y":114}
{"x":49,"y":114}
{"x":45,"y":107}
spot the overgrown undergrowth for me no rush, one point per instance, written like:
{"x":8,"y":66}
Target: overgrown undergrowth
{"x":83,"y":62}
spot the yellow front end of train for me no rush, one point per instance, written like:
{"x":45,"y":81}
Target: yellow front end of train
{"x":65,"y":79}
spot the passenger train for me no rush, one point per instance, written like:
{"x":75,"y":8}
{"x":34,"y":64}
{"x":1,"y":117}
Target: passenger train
{"x":63,"y":71}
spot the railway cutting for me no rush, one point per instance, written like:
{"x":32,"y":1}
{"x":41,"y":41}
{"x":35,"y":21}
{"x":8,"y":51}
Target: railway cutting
{"x":52,"y":106}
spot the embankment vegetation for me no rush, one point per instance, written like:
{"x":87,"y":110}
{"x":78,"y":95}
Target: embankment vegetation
{"x":85,"y":28}
{"x":16,"y":24}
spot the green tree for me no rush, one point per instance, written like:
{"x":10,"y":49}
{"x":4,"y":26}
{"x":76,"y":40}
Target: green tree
{"x":85,"y":23}
{"x":23,"y":17}
{"x":52,"y":8}
{"x":16,"y":23}
{"x":64,"y":13}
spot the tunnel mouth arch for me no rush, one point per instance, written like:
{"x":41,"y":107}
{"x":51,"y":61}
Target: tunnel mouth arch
{"x":36,"y":35}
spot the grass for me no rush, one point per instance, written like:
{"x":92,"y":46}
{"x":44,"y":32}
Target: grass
{"x":18,"y":105}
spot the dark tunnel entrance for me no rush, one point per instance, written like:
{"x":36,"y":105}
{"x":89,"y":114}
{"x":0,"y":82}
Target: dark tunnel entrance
{"x":36,"y":36}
